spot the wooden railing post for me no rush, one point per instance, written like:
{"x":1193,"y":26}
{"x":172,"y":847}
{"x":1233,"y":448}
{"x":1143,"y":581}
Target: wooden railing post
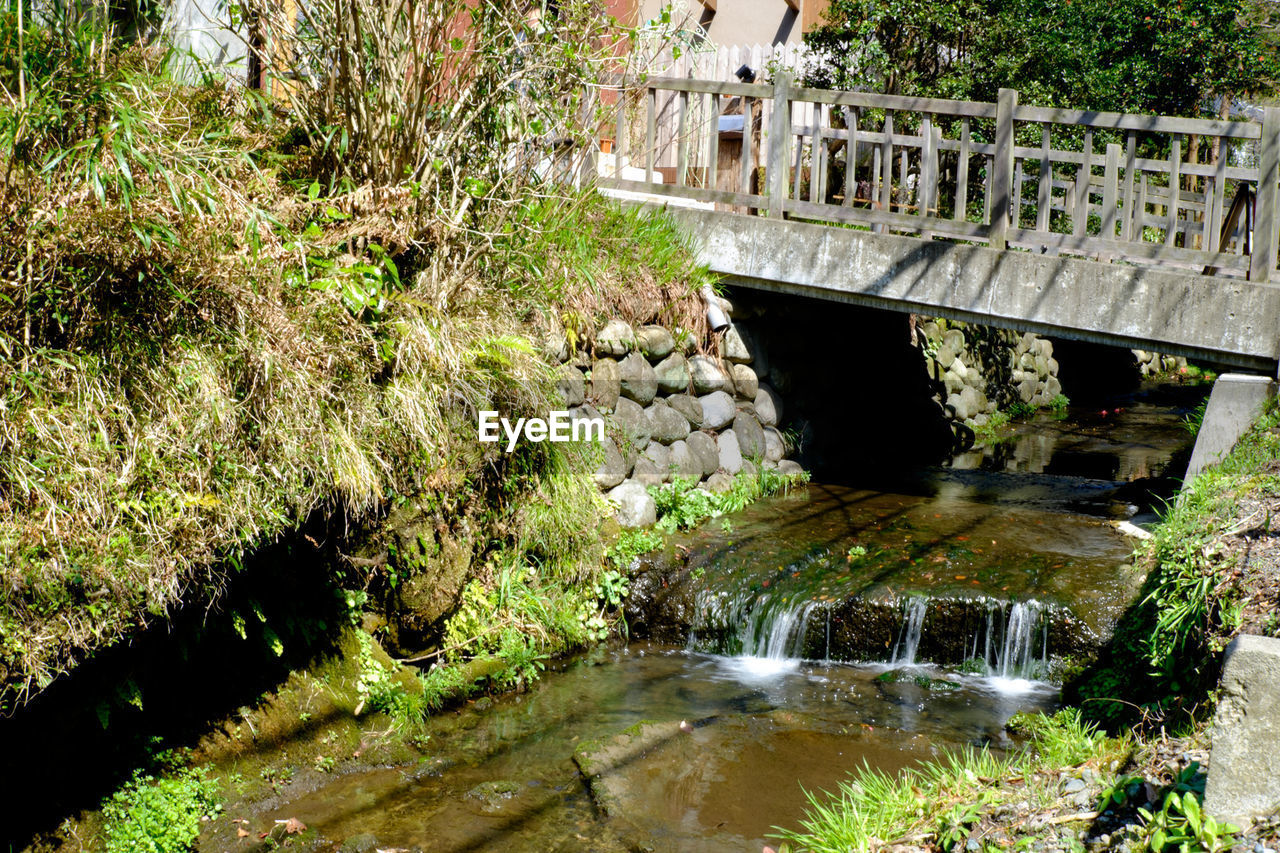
{"x":1002,"y":179}
{"x":779,"y":141}
{"x":1263,"y":260}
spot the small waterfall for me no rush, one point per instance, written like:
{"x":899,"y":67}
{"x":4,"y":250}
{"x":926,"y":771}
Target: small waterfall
{"x":1013,"y":644}
{"x":776,"y":630}
{"x":904,"y":650}
{"x":1016,"y":656}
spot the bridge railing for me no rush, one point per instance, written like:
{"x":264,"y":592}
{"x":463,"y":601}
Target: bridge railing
{"x":1112,"y":187}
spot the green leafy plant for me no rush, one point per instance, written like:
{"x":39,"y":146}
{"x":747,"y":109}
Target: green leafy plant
{"x":631,"y":544}
{"x":1181,"y":825}
{"x":957,"y":822}
{"x":149,"y":815}
{"x":1119,"y":792}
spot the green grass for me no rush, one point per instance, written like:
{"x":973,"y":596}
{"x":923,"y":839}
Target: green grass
{"x":940,"y":801}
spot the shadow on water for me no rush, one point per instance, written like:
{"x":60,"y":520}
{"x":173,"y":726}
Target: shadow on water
{"x":79,"y":740}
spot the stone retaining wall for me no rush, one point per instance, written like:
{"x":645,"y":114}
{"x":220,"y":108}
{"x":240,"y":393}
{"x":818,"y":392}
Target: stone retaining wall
{"x":672,"y":411}
{"x":981,"y":369}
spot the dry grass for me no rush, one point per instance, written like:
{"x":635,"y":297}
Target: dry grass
{"x":200,"y":347}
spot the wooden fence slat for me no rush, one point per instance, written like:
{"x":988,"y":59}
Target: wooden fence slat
{"x":682,"y":143}
{"x":1175,"y":161}
{"x":651,"y":135}
{"x":904,"y":184}
{"x":779,"y":139}
{"x":1002,"y":181}
{"x":928,"y":167}
{"x":1045,"y":189}
{"x":1080,"y":216}
{"x":1015,"y":214}
{"x":1263,"y":261}
{"x":962,"y":173}
{"x":850,"y":156}
{"x":886,"y":167}
{"x":1110,"y":191}
{"x":746,"y":159}
{"x":1213,"y":218}
{"x":1130,"y":157}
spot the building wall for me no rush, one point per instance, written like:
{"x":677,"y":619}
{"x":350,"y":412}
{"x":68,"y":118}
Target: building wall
{"x":740,"y":22}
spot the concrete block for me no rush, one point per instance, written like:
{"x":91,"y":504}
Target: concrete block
{"x":1234,"y":405}
{"x":1244,"y":759}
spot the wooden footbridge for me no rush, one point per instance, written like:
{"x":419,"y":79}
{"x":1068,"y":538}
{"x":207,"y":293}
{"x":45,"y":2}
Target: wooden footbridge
{"x":1087,"y":225}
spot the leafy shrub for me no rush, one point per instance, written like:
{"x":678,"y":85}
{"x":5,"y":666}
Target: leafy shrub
{"x":681,"y":505}
{"x":151,"y":815}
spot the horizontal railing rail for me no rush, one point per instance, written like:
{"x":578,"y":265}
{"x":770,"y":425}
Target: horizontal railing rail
{"x":1113,"y":187}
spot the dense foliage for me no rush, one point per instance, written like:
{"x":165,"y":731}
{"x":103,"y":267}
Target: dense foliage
{"x":1131,"y":55}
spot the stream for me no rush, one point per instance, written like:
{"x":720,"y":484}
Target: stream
{"x":845,"y":624}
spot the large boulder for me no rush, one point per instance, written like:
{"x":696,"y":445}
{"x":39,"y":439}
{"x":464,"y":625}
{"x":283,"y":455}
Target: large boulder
{"x":718,"y":410}
{"x":745,"y":383}
{"x":790,"y":468}
{"x":570,"y":385}
{"x":646,"y":472}
{"x":633,"y":422}
{"x":704,"y":449}
{"x":615,"y":339}
{"x":638,"y":381}
{"x":659,"y":457}
{"x":665,"y":423}
{"x":635,"y":505}
{"x":707,"y":375}
{"x":775,"y":447}
{"x":719,"y":482}
{"x":750,"y":435}
{"x":734,"y":346}
{"x":673,"y":374}
{"x":688,"y":406}
{"x":683,"y":463}
{"x":655,"y":342}
{"x":729,"y":451}
{"x":606,"y":383}
{"x":768,"y":406}
{"x":613,"y":468}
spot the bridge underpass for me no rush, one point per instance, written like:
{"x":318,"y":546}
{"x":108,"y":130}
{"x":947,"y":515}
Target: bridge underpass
{"x":992,"y":213}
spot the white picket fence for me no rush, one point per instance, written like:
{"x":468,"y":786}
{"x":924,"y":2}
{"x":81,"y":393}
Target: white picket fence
{"x":716,"y":64}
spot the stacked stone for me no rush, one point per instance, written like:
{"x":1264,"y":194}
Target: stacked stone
{"x":1023,"y":369}
{"x":673,"y":413}
{"x":1152,"y":363}
{"x":1035,"y":371}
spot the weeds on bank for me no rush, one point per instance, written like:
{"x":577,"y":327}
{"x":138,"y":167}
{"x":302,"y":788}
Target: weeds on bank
{"x":681,"y":505}
{"x":1161,"y":659}
{"x":942,"y":802}
{"x":220,"y":318}
{"x":150,"y":815}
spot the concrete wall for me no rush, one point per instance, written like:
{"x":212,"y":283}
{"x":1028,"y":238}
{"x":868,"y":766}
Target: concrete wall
{"x":737,"y":21}
{"x":201,"y":33}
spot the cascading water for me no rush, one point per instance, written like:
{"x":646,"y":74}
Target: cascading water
{"x":904,"y":651}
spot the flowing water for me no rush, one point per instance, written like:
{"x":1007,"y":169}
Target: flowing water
{"x":809,"y":636}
